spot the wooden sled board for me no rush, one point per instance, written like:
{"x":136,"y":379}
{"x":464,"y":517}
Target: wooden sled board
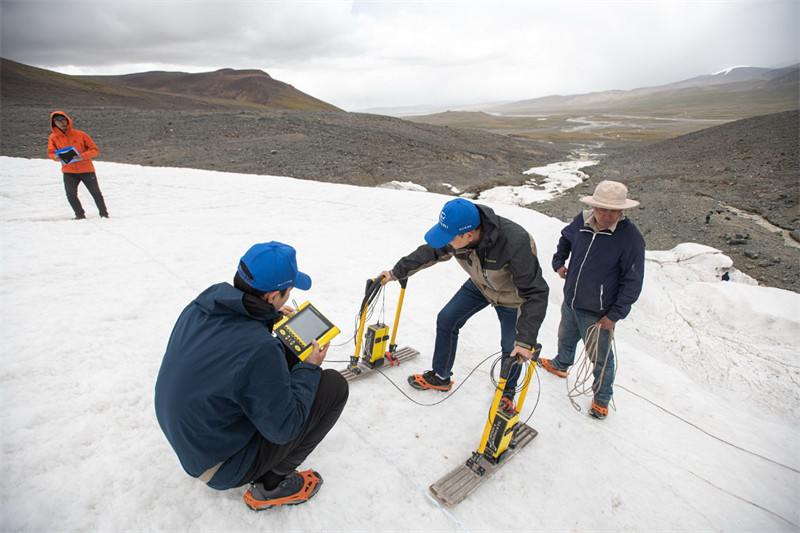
{"x":462,"y":481}
{"x":403,"y":354}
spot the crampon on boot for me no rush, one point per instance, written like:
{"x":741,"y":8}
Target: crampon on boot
{"x":547,"y":364}
{"x":429,"y":380}
{"x":297,"y":488}
{"x":507,"y":405}
{"x":599,"y":410}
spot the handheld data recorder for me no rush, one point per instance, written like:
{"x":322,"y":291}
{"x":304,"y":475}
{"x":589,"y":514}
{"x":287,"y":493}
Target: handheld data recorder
{"x":66,"y":154}
{"x":306,"y":324}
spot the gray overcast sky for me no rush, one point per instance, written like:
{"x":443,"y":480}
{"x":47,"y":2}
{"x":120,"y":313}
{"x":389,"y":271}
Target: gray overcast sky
{"x":358,"y":55}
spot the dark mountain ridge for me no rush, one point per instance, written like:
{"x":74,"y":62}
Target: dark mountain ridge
{"x":22,"y":85}
{"x":242,"y":86}
{"x":222,"y":89}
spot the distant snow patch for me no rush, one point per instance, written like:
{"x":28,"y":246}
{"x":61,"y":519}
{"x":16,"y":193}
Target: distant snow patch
{"x":728,"y":70}
{"x":403,"y":186}
{"x":699,"y":262}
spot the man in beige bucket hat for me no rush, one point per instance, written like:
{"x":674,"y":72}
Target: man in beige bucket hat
{"x":603,"y":280}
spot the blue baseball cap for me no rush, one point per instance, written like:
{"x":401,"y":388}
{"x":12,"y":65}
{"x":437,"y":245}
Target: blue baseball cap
{"x":458,"y":216}
{"x":273,"y":267}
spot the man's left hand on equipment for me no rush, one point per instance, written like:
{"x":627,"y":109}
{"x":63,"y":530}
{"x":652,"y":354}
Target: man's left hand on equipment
{"x":519,"y":351}
{"x":317,"y":354}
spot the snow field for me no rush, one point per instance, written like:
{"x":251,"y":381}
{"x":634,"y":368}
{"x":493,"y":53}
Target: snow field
{"x":705,"y":434}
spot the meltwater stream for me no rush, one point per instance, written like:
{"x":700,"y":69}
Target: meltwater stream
{"x":559,"y":177}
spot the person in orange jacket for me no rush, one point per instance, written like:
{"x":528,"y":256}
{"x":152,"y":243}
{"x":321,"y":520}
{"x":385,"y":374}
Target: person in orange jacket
{"x":74,"y":149}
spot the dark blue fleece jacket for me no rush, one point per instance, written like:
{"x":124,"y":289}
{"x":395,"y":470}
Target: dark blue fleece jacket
{"x":223,"y":380}
{"x":606,"y":270}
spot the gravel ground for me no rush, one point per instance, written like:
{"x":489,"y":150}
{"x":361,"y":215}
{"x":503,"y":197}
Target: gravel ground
{"x":354,"y":148}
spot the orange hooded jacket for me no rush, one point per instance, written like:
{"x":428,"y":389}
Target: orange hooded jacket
{"x":79,"y":140}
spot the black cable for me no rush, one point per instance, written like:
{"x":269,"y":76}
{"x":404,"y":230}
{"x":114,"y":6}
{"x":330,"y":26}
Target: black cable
{"x":446,"y":397}
{"x":371,"y":300}
{"x":538,"y":394}
{"x":538,"y":390}
{"x":651,"y":402}
{"x":521,"y":387}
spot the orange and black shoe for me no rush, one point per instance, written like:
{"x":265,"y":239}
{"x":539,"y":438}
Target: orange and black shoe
{"x":297,"y":488}
{"x":547,"y":364}
{"x":429,"y":380}
{"x":599,"y":410}
{"x":507,"y":405}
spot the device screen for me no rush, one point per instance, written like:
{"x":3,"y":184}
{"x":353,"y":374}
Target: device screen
{"x":308,"y":326}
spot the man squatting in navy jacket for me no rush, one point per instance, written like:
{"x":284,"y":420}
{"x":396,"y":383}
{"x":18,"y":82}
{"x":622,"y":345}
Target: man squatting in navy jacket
{"x":235,"y":405}
{"x":604,"y":279}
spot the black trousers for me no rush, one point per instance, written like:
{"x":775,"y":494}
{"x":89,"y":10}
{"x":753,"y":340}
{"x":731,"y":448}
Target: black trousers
{"x":71,"y":182}
{"x":325,"y":411}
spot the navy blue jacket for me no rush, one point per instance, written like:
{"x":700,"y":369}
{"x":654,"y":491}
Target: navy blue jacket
{"x":606,"y":270}
{"x":225,"y":379}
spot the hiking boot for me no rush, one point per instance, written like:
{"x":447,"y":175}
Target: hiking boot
{"x":297,"y":488}
{"x":599,"y":410}
{"x":507,"y":405}
{"x":547,"y":364}
{"x":429,"y":380}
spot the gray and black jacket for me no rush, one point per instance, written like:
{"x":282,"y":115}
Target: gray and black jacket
{"x":502,"y":265}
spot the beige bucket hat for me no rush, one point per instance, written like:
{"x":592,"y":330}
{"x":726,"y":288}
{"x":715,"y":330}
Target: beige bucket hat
{"x":610,"y":195}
